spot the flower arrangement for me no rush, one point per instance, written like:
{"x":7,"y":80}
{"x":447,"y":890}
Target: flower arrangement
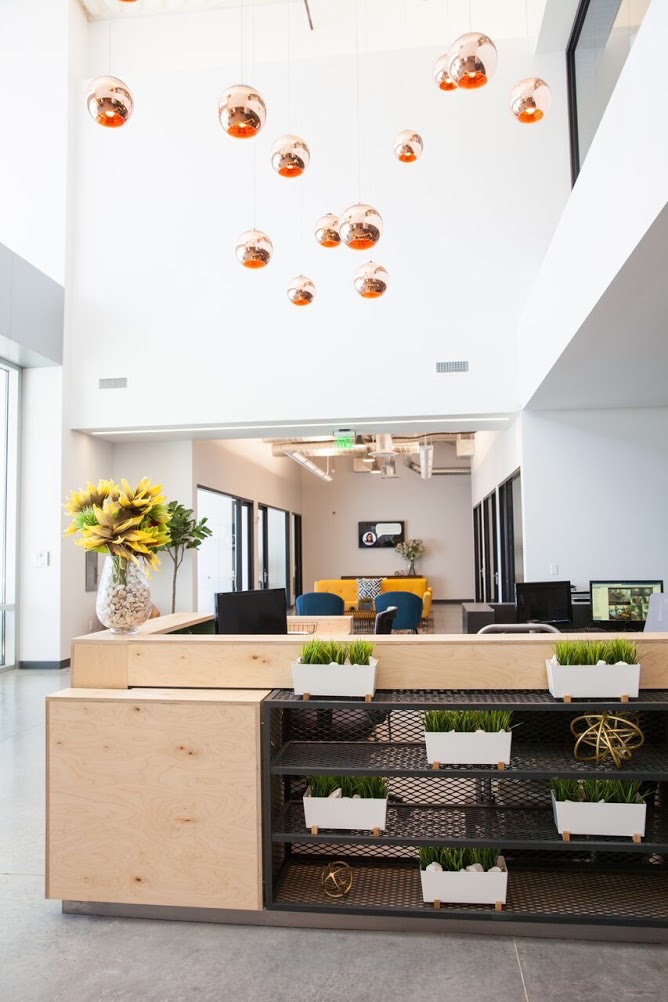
{"x":411,"y":550}
{"x":129,"y":524}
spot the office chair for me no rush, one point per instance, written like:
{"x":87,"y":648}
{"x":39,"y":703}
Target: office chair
{"x":319,"y":603}
{"x":657,"y":617}
{"x":385,"y":619}
{"x":408,"y":605}
{"x":519,"y":628}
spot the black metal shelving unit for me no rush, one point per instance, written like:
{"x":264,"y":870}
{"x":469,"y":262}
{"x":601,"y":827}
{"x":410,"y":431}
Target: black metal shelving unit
{"x":588,"y":880}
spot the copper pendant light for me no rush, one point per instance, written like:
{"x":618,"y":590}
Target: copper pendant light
{"x":109,"y":101}
{"x":370,"y":280}
{"x":327,"y":231}
{"x":408,"y":146}
{"x":441,"y":75}
{"x":530,"y":99}
{"x":360,"y":226}
{"x":290,"y":156}
{"x":254,"y":249}
{"x":472,"y":60}
{"x":301,"y":291}
{"x":242,"y":112}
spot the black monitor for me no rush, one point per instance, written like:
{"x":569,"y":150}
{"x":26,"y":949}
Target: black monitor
{"x":544,"y":602}
{"x":620,"y":604}
{"x":263,"y":611}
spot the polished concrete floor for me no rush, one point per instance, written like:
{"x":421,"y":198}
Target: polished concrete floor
{"x":46,"y":956}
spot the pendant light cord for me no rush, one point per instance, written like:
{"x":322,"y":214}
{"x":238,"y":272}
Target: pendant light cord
{"x":241,"y":36}
{"x":289,"y":66}
{"x":357,"y":79}
{"x":526,"y":31}
{"x":109,"y":38}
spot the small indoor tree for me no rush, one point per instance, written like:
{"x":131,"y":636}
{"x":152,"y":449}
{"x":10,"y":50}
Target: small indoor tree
{"x":185,"y":533}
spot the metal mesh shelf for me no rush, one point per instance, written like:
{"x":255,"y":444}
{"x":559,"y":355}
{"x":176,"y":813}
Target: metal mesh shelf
{"x":388,"y":759}
{"x":550,"y":895}
{"x":496,"y":827}
{"x":650,"y":699}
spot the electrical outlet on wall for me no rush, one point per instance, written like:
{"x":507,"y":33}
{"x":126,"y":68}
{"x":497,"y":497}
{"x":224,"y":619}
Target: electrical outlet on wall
{"x":554,"y":568}
{"x":41,"y":558}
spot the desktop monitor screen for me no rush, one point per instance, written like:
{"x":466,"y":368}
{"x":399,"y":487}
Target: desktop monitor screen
{"x":261,"y":612}
{"x":621,"y":601}
{"x":544,"y":602}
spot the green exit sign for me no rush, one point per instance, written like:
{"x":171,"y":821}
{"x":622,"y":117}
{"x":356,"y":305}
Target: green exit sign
{"x":345,"y":442}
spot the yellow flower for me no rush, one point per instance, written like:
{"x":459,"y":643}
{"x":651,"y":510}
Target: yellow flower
{"x":143,"y":497}
{"x":85,"y":500}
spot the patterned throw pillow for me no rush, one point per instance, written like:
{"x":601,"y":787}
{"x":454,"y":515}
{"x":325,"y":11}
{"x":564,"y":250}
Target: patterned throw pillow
{"x":368,"y":588}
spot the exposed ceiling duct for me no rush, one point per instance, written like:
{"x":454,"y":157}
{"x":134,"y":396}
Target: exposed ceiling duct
{"x":439,"y":471}
{"x":426,"y":461}
{"x":366,"y":447}
{"x":307,"y":464}
{"x":383,"y":447}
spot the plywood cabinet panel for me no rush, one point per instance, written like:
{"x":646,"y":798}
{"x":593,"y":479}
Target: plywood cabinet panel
{"x":154,"y":802}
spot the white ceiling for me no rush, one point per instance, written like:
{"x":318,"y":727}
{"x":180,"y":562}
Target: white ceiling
{"x":619,"y":357}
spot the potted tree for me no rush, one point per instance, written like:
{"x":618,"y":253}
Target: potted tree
{"x":185,"y":533}
{"x":471,"y":737}
{"x":463,"y":876}
{"x":599,"y":807}
{"x":351,"y":803}
{"x":334,"y":668}
{"x":591,"y":668}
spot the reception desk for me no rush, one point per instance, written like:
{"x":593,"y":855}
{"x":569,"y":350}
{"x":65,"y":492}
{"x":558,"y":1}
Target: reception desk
{"x":176,"y":763}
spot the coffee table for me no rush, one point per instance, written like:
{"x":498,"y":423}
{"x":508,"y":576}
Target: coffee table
{"x":364,"y":620}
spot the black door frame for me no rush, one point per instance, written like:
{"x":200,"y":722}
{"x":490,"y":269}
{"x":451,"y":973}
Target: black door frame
{"x":490,"y":555}
{"x":477,"y":552}
{"x":297,"y":570}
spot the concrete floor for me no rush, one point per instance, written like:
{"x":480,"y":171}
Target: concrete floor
{"x":46,"y":956}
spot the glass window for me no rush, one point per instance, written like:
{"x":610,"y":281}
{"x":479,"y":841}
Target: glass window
{"x":602,"y":36}
{"x":9,"y":405}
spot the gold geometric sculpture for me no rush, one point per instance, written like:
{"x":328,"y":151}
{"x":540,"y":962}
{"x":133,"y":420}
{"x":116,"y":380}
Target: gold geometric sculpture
{"x":336,"y":879}
{"x":608,"y":734}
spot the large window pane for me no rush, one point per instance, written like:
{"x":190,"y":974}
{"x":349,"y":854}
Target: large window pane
{"x":277,"y":552}
{"x":216,"y":556}
{"x":9,"y":403}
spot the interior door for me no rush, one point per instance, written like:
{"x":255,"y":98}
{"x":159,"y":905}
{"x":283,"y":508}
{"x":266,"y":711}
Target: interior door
{"x":510,"y":528}
{"x":490,"y":544}
{"x":478,"y":549}
{"x":217,"y":556}
{"x":297,"y":575}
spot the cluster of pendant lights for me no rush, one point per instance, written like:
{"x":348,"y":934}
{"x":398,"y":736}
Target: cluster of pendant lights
{"x":469,"y":64}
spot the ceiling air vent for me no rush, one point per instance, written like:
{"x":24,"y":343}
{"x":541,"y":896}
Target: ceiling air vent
{"x":452,"y":366}
{"x":115,"y":383}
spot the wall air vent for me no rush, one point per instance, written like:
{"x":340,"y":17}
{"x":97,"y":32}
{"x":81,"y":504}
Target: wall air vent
{"x":115,"y":383}
{"x":452,"y":366}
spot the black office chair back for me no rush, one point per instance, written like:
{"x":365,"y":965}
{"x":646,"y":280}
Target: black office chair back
{"x":385,"y":619}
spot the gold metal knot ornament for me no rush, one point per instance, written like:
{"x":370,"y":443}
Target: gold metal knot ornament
{"x":336,"y":879}
{"x":609,"y":735}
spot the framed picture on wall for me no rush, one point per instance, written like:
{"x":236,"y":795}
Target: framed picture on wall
{"x":91,"y":571}
{"x":372,"y":535}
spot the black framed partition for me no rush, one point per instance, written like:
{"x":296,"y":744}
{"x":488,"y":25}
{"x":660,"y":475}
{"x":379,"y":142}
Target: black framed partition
{"x":225,"y":559}
{"x":511,"y":536}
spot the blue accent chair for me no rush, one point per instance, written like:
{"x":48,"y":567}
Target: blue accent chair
{"x":320,"y":603}
{"x":409,"y":608}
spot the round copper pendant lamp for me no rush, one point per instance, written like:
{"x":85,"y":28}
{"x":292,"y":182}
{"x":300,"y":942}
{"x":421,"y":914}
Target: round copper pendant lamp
{"x":472,"y":60}
{"x":254,"y":249}
{"x":242,"y":112}
{"x":441,"y":75}
{"x":360,"y":226}
{"x":290,"y":156}
{"x":408,"y":146}
{"x":327,"y":231}
{"x":530,"y":99}
{"x":370,"y":280}
{"x":109,"y":101}
{"x":301,"y":291}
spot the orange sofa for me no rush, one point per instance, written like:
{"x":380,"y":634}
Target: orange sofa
{"x":346,"y":588}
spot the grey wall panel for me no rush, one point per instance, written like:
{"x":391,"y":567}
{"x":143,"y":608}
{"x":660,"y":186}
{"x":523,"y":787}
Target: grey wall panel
{"x":31,"y":312}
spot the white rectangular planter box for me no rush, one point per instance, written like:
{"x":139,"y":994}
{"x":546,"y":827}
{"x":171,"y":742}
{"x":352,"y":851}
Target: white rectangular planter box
{"x":468,"y":747}
{"x":599,"y":819}
{"x":465,"y":888}
{"x":334,"y":680}
{"x":345,"y":813}
{"x":584,"y":681}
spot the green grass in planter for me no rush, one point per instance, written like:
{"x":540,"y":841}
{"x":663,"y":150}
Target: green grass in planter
{"x":366,"y":787}
{"x":359,"y":652}
{"x":491,"y":721}
{"x":457,"y":858}
{"x":372,"y":787}
{"x":592,"y":791}
{"x":590,"y":652}
{"x":322,"y":786}
{"x":323,"y":652}
{"x":622,"y":650}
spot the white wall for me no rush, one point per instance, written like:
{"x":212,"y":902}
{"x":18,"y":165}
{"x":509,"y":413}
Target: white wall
{"x":437,"y":510}
{"x":594,"y":492}
{"x":621,"y":189}
{"x":33,"y":79}
{"x":498,"y":454}
{"x":466,"y":226}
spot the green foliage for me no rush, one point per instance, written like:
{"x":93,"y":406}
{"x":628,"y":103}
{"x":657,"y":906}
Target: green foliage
{"x":457,"y":857}
{"x":185,"y":533}
{"x":359,"y":652}
{"x":366,"y":787}
{"x":491,"y":721}
{"x":590,"y":652}
{"x":592,"y":791}
{"x":324,"y":652}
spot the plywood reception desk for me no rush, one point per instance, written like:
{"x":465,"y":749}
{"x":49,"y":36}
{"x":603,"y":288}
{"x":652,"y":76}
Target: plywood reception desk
{"x":172,"y":759}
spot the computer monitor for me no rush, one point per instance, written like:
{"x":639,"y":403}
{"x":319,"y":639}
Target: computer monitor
{"x":544,"y":602}
{"x":617,"y":604}
{"x":261,"y":612}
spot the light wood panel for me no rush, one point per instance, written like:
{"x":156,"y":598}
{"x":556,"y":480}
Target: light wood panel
{"x":102,"y":665}
{"x":154,"y":798}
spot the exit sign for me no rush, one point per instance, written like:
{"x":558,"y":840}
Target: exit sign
{"x":345,"y":442}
